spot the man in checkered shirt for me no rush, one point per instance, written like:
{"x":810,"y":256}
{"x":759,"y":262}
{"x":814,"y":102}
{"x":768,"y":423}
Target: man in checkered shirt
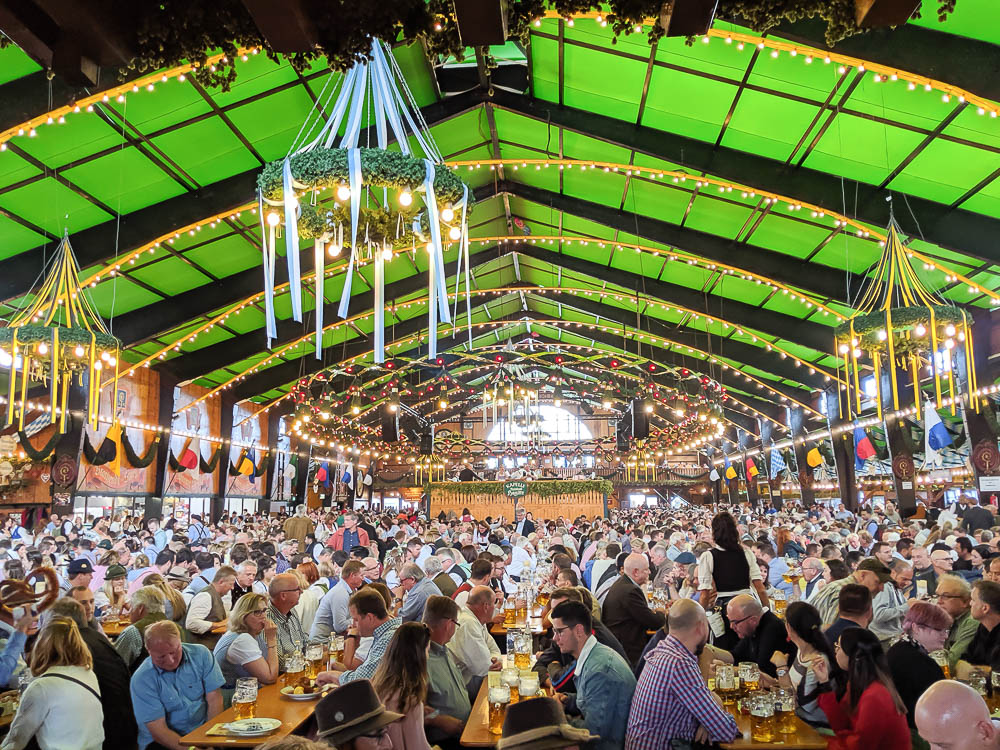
{"x":672,"y":700}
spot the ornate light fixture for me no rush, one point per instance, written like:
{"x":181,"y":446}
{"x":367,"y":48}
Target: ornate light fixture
{"x":901,"y":328}
{"x":56,"y":338}
{"x":374,"y":197}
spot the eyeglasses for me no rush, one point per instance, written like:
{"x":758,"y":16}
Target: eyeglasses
{"x":258,"y":612}
{"x":733,"y":623}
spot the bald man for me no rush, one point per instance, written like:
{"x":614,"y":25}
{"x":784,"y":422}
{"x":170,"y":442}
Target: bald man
{"x":475,"y":651}
{"x":672,"y":700}
{"x":626,"y":613}
{"x":953,"y":716}
{"x":760,"y":632}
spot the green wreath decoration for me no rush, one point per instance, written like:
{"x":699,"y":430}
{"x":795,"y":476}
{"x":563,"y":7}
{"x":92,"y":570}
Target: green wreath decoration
{"x":553,"y":488}
{"x":39,"y":334}
{"x":328,"y":168}
{"x":867,"y":327}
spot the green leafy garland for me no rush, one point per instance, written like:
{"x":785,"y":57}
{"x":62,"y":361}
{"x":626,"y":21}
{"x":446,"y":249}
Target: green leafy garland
{"x":38,"y":334}
{"x":553,"y":488}
{"x":375,"y":224}
{"x":172,"y":32}
{"x":867,"y":327}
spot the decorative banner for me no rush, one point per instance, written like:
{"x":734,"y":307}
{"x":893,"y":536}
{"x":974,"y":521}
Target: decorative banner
{"x":515,"y":489}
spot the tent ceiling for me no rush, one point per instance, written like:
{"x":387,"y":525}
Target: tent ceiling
{"x":723,"y":279}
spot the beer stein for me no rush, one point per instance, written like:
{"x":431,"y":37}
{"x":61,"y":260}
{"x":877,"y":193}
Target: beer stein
{"x":245,"y":698}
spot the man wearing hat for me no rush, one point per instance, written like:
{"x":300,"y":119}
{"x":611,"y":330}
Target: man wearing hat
{"x":540,"y":724}
{"x":351,"y":713}
{"x":79,"y":573}
{"x":871,"y":573}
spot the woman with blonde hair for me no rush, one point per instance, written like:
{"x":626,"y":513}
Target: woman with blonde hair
{"x":308,"y":600}
{"x":250,"y":646}
{"x":61,"y":707}
{"x":112,"y":596}
{"x":173,"y":607}
{"x":401,"y":683}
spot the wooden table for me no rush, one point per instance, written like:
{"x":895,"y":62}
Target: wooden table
{"x":534,"y":623}
{"x":270,"y":705}
{"x":477,"y":728}
{"x":113,"y":630}
{"x":805,"y":738}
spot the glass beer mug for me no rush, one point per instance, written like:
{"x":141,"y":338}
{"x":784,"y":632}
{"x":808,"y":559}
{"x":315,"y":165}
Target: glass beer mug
{"x":749,"y":676}
{"x":499,"y":699}
{"x":726,"y":685}
{"x":314,"y":659}
{"x":528,"y":685}
{"x":245,"y":698}
{"x":522,"y":649}
{"x":509,"y":612}
{"x":761,"y":717}
{"x":784,"y":711}
{"x":510,"y":677}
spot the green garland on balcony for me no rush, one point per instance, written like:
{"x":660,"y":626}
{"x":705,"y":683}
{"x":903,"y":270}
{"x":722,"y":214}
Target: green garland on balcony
{"x":543,"y":488}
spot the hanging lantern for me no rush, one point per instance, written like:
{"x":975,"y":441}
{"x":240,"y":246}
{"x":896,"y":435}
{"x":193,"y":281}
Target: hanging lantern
{"x":902,"y":330}
{"x":55,"y":339}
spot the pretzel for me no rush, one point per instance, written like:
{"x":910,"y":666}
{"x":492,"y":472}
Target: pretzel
{"x":17,"y":593}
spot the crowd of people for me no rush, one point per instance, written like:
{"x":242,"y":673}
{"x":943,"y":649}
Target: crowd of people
{"x":865,"y":616}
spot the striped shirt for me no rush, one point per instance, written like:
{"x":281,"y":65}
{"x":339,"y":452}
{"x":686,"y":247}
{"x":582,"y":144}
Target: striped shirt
{"x":291,"y":636}
{"x":672,"y":700}
{"x":383,"y":634}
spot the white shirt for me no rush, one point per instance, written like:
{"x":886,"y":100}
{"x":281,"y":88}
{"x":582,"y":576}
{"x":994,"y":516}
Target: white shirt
{"x":243,"y":650}
{"x":60,"y":714}
{"x":706,"y":565}
{"x":519,"y":561}
{"x":306,"y":608}
{"x":472,"y":646}
{"x":200,"y":608}
{"x":588,"y":646}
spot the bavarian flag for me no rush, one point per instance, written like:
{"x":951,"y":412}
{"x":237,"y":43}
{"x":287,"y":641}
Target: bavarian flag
{"x":813,"y":458}
{"x":245,"y":465}
{"x":730,"y":470}
{"x":751,"y":469}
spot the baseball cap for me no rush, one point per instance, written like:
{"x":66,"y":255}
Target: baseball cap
{"x":685,"y":558}
{"x":80,"y":565}
{"x":104,"y":544}
{"x":876,"y":566}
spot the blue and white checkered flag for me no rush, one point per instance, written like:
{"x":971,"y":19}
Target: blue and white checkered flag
{"x":38,"y":425}
{"x":777,"y":462}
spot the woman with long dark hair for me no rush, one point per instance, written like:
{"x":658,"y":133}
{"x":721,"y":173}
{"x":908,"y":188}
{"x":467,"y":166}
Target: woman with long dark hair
{"x":401,"y":683}
{"x":805,"y":629}
{"x":727,"y":570}
{"x":865,"y":709}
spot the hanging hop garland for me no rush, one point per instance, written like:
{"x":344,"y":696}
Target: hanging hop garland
{"x":867,"y":327}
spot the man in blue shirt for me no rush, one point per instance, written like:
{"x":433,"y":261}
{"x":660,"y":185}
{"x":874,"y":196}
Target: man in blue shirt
{"x":176,"y":689}
{"x":333,"y":613}
{"x":776,"y":567}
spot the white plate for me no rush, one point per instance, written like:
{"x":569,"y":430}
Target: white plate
{"x":252,"y":727}
{"x":288,"y":693}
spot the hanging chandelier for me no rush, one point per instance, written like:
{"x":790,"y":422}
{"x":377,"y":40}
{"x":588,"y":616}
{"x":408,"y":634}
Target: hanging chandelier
{"x":383,"y":202}
{"x":56,"y":339}
{"x":902,"y":331}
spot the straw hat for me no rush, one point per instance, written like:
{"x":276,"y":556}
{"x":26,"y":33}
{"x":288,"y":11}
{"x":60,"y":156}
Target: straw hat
{"x":539,"y":724}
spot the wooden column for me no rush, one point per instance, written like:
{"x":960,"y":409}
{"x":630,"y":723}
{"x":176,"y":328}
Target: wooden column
{"x":226,"y":433}
{"x":766,"y":428}
{"x":165,"y":418}
{"x":843,"y":456}
{"x":980,"y":427}
{"x":796,"y":421}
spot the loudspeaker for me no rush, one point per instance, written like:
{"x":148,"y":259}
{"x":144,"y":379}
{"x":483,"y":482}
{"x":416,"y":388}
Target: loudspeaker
{"x":640,"y":420}
{"x":390,"y":425}
{"x":621,"y":442}
{"x":426,"y":444}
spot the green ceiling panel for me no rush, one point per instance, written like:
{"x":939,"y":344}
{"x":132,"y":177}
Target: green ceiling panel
{"x":208,"y":151}
{"x":786,"y":235}
{"x":733,"y":287}
{"x":768,"y":125}
{"x":944,"y":171}
{"x":661,"y":200}
{"x":270,"y":135}
{"x":985,"y":201}
{"x":14,"y":169}
{"x":721,"y":217}
{"x":119,"y":297}
{"x":254,"y":77}
{"x":15,"y":64}
{"x":686,"y":104}
{"x":982,"y":129}
{"x":967,"y":19}
{"x":845,"y":251}
{"x":594,"y":82}
{"x":125,"y":180}
{"x":52,"y":206}
{"x":17,"y":238}
{"x":82,"y":134}
{"x":715,"y":58}
{"x":172,"y":276}
{"x":861,"y":149}
{"x":893,"y":100}
{"x":224,"y":256}
{"x":793,"y":75}
{"x":580,"y":146}
{"x":169,"y":104}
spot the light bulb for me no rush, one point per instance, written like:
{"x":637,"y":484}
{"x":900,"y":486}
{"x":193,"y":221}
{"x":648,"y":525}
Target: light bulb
{"x":387,"y":253}
{"x":405,"y":198}
{"x":333,"y":249}
{"x":79,"y":351}
{"x":447,"y":214}
{"x":950,"y":330}
{"x":43,"y":348}
{"x":949,"y":344}
{"x":273,"y":219}
{"x":442,"y":404}
{"x":844,"y":349}
{"x":882,"y":335}
{"x":430,"y":248}
{"x":455,"y":233}
{"x":104,"y":356}
{"x":920,"y":330}
{"x":343,"y":193}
